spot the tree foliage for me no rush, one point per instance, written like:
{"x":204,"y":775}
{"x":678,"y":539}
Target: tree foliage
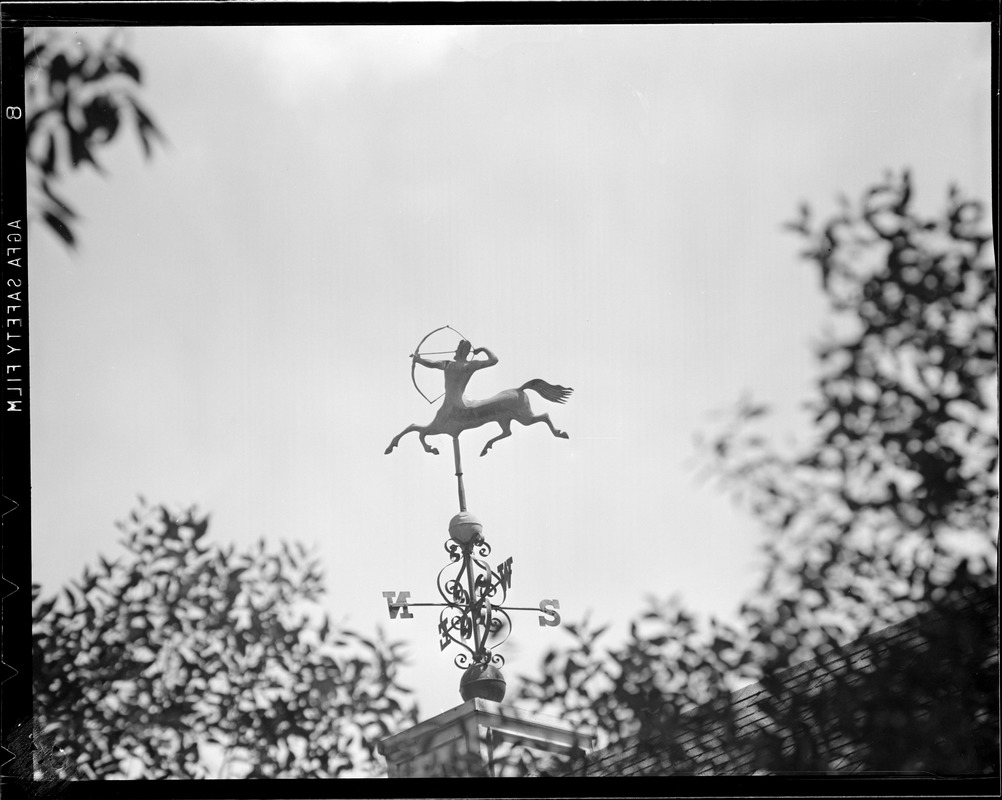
{"x":186,"y":659}
{"x":897,"y":488}
{"x":77,"y":97}
{"x":888,"y":511}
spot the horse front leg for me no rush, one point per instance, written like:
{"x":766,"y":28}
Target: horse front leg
{"x":505,"y":433}
{"x":427,"y":447}
{"x":422,"y":432}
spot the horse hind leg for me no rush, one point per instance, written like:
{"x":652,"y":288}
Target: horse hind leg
{"x":505,"y":433}
{"x":544,"y":417}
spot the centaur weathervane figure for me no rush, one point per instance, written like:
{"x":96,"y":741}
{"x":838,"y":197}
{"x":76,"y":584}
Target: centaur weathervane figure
{"x":474,"y":615}
{"x":458,"y":414}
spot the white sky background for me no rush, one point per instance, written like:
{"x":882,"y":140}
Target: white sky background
{"x":600,"y":206}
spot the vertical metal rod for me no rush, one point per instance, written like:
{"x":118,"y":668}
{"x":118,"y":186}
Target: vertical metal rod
{"x":459,"y":473}
{"x":468,"y":561}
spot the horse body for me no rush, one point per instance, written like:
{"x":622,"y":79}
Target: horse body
{"x":503,"y":408}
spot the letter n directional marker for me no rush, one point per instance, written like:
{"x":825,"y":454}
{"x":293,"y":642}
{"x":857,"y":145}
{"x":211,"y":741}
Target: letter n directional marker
{"x":397,"y":603}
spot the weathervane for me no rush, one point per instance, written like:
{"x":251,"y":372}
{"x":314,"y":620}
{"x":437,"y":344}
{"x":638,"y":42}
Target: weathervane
{"x":473,"y":614}
{"x":458,"y":414}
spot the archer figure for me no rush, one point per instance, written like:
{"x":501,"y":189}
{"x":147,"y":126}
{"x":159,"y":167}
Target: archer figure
{"x":457,"y":414}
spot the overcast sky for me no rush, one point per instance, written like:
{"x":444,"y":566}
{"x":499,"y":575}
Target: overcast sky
{"x":600,"y":206}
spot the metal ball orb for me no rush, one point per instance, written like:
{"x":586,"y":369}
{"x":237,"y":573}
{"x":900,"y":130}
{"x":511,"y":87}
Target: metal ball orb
{"x":483,"y":681}
{"x":464,"y":528}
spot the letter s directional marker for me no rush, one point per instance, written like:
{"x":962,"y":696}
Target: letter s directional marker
{"x":552,"y":618}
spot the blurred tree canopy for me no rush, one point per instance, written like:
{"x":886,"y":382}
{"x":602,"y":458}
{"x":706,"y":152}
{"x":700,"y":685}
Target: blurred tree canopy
{"x":186,"y":659}
{"x":888,"y":511}
{"x":77,"y":96}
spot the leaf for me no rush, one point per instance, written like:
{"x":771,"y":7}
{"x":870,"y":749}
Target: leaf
{"x":43,"y":610}
{"x":59,"y":70}
{"x":101,"y":114}
{"x":288,"y":553}
{"x":34,"y":53}
{"x":32,"y":124}
{"x":49,"y":164}
{"x":79,"y":150}
{"x":63,"y":208}
{"x":102,"y":71}
{"x":235,"y":573}
{"x":129,"y":67}
{"x":146,"y":127}
{"x":199,"y":529}
{"x":59,"y":227}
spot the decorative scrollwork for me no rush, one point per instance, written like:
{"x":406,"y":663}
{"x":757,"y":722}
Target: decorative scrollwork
{"x":454,"y":550}
{"x":474,"y":594}
{"x":451,"y":588}
{"x":455,"y":593}
{"x":482,"y":583}
{"x":496,"y":624}
{"x":500,"y":627}
{"x":450,"y":622}
{"x":489,"y":583}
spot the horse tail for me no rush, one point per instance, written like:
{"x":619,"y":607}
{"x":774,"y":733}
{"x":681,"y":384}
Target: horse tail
{"x":555,"y":394}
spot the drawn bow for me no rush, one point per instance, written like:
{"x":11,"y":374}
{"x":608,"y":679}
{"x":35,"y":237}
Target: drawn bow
{"x":417,"y":352}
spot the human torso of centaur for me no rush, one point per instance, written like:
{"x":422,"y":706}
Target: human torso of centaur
{"x":464,"y":413}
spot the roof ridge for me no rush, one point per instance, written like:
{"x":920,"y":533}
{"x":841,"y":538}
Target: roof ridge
{"x":982,"y":599}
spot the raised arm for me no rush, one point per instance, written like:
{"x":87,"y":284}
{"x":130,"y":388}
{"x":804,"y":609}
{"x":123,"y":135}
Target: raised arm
{"x":490,"y":361}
